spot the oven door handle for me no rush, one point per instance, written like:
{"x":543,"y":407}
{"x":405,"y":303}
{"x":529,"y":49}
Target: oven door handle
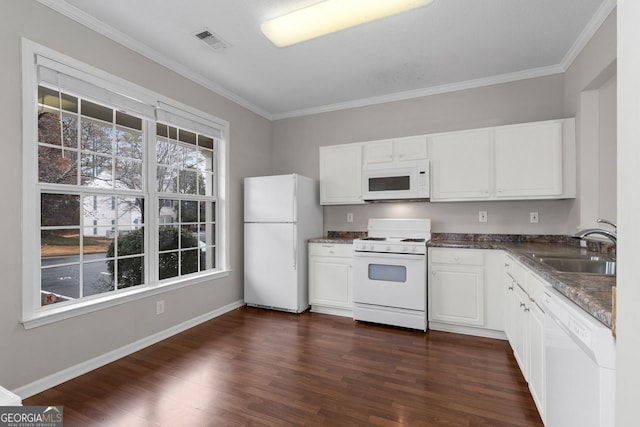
{"x":388,"y":255}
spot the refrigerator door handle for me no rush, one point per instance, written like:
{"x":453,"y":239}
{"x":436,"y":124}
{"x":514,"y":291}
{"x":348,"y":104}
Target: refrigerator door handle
{"x":295,"y":247}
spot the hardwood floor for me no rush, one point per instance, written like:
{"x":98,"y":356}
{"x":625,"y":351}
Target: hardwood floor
{"x":260,"y":367}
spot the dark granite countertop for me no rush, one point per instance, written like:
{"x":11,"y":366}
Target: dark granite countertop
{"x":591,"y":292}
{"x":339,"y":237}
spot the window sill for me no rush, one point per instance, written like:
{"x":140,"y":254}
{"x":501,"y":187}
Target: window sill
{"x":55,"y":314}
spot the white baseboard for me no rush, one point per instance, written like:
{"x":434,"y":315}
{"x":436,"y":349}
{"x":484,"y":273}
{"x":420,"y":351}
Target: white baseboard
{"x":67,"y":374}
{"x":332,"y":310}
{"x":467,"y":330}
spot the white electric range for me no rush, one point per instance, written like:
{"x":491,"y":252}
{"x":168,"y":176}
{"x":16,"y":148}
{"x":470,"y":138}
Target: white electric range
{"x":390,"y":273}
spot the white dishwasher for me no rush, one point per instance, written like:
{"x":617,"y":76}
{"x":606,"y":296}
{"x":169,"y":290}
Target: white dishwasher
{"x":580,"y":362}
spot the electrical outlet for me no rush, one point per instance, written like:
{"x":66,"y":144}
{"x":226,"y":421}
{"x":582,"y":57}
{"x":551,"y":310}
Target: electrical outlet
{"x":160,"y":306}
{"x":350,"y":217}
{"x":482,"y":216}
{"x":533,"y":217}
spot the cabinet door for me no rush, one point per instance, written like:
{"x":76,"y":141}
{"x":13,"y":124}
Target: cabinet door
{"x":536,"y":357}
{"x":529,"y":160}
{"x":510,"y":309}
{"x":520,"y":330}
{"x":378,"y":152}
{"x":330,"y":282}
{"x":412,"y":148}
{"x":341,"y":174}
{"x":461,"y":165}
{"x":456,"y":294}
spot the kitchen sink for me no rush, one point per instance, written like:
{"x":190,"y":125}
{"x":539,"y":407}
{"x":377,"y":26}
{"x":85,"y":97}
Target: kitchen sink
{"x":584,"y":264}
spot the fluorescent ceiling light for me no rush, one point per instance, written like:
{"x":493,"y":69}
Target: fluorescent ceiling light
{"x":331,"y":16}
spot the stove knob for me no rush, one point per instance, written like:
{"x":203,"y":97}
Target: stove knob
{"x":388,"y":248}
{"x":405,"y":249}
{"x":371,"y":247}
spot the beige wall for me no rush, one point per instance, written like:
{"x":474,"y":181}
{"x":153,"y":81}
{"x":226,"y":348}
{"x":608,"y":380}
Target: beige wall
{"x":26,"y":356}
{"x":592,"y":107}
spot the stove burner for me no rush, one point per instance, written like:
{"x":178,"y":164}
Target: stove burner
{"x":413,"y":240}
{"x":377,"y":239}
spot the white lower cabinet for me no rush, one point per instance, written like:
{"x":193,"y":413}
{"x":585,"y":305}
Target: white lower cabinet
{"x":330,"y":278}
{"x":524,"y":326}
{"x":464,"y":293}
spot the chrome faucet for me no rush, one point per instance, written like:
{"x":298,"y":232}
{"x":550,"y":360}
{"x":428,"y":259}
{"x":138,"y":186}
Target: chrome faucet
{"x":589,"y":231}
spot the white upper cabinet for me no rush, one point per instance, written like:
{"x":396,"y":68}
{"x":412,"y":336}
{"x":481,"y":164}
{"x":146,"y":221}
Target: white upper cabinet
{"x":395,"y":150}
{"x":341,"y":174}
{"x":461,"y":165}
{"x":529,"y":160}
{"x":516,"y":162}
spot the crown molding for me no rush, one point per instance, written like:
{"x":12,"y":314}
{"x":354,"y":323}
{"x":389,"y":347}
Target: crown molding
{"x":587,"y":33}
{"x":90,"y":22}
{"x":434,"y":90}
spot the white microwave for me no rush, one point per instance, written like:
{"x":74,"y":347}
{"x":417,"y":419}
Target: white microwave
{"x":396,"y":181}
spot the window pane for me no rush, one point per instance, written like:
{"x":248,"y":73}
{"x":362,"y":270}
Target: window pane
{"x":130,"y":211}
{"x":168,"y":238}
{"x":190,"y":158}
{"x":70,"y":130}
{"x":127,"y":120}
{"x":49,"y":131}
{"x":97,"y":276}
{"x":63,"y":281}
{"x":207,"y":211}
{"x":205,"y":184}
{"x":130,"y":272}
{"x":129,"y":174}
{"x":188,"y":182}
{"x":168,"y":211}
{"x":96,"y":111}
{"x":188,"y":211}
{"x":128,"y":143}
{"x":97,"y":240}
{"x":57,"y":166}
{"x":130,"y":243}
{"x":59,"y":210}
{"x":63,"y":246}
{"x":168,"y":265}
{"x":188,"y":262}
{"x":99,"y":209}
{"x":205,"y":142}
{"x":97,"y":136}
{"x":189,"y":237}
{"x":96,"y":171}
{"x":207,"y":258}
{"x":186,"y":136}
{"x":167,"y":179}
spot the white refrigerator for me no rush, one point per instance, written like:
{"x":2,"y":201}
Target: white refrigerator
{"x":281,"y":213}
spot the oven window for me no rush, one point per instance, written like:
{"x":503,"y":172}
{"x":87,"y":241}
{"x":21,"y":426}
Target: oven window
{"x":388,"y":273}
{"x":389,"y":183}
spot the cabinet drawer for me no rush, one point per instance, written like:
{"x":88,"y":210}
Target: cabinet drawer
{"x":331,"y":249}
{"x":457,"y":256}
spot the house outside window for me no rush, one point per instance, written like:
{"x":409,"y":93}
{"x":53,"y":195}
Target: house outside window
{"x":128,"y":190}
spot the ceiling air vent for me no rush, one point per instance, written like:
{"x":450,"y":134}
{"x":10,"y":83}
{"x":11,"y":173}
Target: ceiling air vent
{"x":214,"y":41}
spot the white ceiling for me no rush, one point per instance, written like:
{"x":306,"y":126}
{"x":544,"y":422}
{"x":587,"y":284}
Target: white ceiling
{"x":448,"y":45}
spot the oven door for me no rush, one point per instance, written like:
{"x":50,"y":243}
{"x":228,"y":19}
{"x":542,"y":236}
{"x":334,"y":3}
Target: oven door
{"x":390,"y":280}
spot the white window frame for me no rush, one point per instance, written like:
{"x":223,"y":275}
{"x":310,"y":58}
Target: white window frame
{"x":33,"y":315}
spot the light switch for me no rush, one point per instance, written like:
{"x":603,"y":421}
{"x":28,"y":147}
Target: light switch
{"x":482,"y":216}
